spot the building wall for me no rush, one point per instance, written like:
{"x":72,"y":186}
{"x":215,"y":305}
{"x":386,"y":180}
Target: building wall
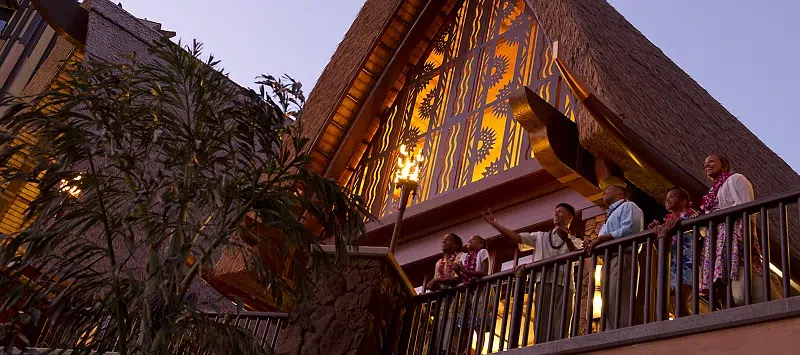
{"x":113,"y":33}
{"x":454,"y":107}
{"x":775,"y":338}
{"x":31,"y":54}
{"x":27,"y":41}
{"x":355,"y":309}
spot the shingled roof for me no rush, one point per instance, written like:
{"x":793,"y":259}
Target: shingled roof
{"x":652,"y":95}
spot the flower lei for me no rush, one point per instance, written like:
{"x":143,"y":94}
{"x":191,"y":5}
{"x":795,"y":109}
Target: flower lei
{"x":470,"y":262}
{"x":687,"y":213}
{"x":446,"y":268}
{"x":710,"y":200}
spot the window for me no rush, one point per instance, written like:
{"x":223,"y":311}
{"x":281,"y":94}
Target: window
{"x":456,"y":106}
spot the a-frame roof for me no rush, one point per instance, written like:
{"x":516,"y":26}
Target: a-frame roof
{"x":655,"y":102}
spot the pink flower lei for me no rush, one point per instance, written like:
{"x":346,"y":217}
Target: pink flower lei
{"x":710,"y":200}
{"x":470,"y":262}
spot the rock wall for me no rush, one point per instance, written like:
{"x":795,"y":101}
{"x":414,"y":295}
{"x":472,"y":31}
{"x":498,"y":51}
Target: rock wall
{"x":356,"y":309}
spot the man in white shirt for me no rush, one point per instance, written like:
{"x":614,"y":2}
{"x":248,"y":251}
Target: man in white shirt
{"x":623,"y":218}
{"x":546,"y":245}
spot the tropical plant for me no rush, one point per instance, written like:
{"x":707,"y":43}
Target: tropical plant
{"x":145,"y":164}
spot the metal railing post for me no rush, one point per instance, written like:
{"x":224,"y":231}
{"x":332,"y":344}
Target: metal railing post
{"x":661,"y":279}
{"x":516,"y":313}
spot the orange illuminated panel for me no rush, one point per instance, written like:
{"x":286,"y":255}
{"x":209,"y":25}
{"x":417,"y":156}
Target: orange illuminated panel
{"x":455,"y":105}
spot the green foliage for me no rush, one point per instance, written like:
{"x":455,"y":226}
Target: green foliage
{"x":173,"y":162}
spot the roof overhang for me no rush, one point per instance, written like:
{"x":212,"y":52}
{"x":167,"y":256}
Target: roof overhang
{"x":10,"y":4}
{"x":645,"y":165}
{"x":555,"y":143}
{"x":68,"y":18}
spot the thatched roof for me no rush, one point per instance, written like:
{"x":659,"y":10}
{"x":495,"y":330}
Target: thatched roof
{"x":653,"y":95}
{"x":655,"y":98}
{"x":346,"y":62}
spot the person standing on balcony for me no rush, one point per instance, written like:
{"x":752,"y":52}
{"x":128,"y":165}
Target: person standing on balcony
{"x":729,"y":190}
{"x":547,"y":245}
{"x":623,"y":218}
{"x":444,"y":277}
{"x":677,"y":203}
{"x":474,"y":263}
{"x":444,"y":274}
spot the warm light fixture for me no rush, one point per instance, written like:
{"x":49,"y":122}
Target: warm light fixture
{"x":778,"y":272}
{"x":485,"y":349}
{"x":406,"y":178}
{"x":408,"y":166}
{"x":597,"y":300}
{"x":70,"y":188}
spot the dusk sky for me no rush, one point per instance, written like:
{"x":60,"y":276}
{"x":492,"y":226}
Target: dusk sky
{"x":743,"y":52}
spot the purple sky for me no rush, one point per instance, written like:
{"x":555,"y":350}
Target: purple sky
{"x":743,"y":52}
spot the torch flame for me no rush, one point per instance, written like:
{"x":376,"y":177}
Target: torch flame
{"x":73,"y":191}
{"x":408,"y":165}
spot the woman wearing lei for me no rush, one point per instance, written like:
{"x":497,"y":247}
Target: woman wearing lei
{"x":474,"y":265}
{"x":445,"y":276}
{"x":475,"y":261}
{"x":729,"y":190}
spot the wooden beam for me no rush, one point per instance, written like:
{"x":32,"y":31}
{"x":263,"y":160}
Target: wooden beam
{"x":556,"y":144}
{"x":441,"y":215}
{"x":67,"y":18}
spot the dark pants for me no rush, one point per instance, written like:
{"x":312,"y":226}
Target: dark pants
{"x":542,"y":316}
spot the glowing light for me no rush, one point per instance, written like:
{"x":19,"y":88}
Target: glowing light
{"x":597,"y":300}
{"x":70,"y":188}
{"x":778,"y":272}
{"x":408,"y":166}
{"x":495,"y":345}
{"x":598,"y":273}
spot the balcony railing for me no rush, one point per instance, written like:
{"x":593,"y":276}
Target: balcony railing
{"x":499,"y":312}
{"x":266,"y":328}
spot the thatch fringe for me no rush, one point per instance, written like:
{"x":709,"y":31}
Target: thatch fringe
{"x":345,"y":64}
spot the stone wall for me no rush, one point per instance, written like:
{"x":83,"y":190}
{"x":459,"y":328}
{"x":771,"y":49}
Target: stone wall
{"x":356,"y":309}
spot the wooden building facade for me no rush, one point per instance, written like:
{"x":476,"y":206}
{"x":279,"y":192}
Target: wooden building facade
{"x":516,"y":105}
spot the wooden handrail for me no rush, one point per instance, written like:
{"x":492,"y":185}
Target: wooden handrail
{"x":788,"y":197}
{"x":250,"y":314}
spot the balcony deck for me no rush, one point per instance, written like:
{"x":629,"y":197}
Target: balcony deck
{"x":506,"y":300}
{"x":444,"y":322}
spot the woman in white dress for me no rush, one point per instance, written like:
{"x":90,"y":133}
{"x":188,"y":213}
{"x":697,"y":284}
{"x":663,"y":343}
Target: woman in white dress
{"x":729,"y":190}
